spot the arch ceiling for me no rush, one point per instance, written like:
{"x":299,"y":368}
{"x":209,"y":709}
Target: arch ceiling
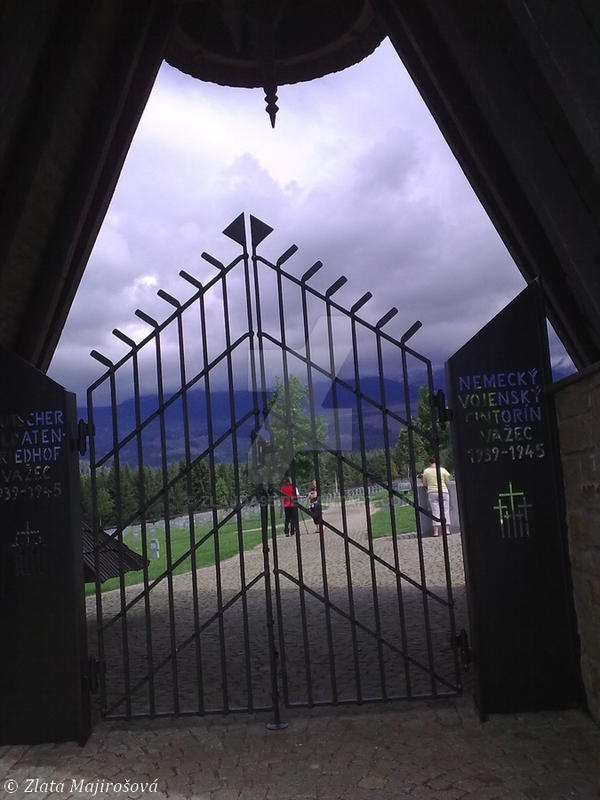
{"x":513,"y":86}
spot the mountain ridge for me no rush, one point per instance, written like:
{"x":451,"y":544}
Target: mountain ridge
{"x":173,"y":428}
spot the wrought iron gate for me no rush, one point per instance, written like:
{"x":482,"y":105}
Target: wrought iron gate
{"x":273,"y":377}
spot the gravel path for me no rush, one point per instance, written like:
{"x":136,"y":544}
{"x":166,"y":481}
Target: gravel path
{"x":368,"y":642}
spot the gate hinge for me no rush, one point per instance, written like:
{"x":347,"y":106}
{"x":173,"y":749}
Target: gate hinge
{"x":83,"y":432}
{"x":464,"y":649}
{"x":439,"y":403}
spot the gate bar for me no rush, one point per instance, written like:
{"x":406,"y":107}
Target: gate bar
{"x":215,"y":519}
{"x":166,"y":513}
{"x":317,"y":448}
{"x":388,"y":466}
{"x":119,"y":534}
{"x":188,"y":482}
{"x":361,"y":434}
{"x":292,"y":473}
{"x":236,"y":486}
{"x":143,"y":532}
{"x":413,"y":472}
{"x":266,"y":505}
{"x":449,"y":590}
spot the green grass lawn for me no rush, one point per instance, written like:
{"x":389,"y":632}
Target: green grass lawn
{"x":228,"y":543}
{"x":381,"y":523}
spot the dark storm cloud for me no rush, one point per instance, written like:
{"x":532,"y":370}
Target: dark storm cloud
{"x":355,"y":173}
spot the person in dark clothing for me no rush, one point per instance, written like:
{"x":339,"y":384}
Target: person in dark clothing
{"x":316,"y":510}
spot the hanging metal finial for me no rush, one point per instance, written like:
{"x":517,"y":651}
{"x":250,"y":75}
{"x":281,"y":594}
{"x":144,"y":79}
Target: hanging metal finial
{"x":267,"y":19}
{"x":270,"y":88}
{"x":271,"y":100}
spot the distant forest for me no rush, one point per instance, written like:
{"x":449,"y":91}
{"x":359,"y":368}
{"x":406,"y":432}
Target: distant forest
{"x":125,"y":494}
{"x":121,"y":495}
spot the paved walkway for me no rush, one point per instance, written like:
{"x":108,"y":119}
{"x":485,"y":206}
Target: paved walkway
{"x":421,"y":751}
{"x":322,"y":655}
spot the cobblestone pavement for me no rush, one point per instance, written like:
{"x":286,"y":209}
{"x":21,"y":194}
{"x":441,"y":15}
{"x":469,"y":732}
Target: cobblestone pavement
{"x":323,"y":656}
{"x":414,"y":750}
{"x":417,"y":749}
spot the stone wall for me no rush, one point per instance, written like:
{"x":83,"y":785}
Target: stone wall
{"x":578,"y":413}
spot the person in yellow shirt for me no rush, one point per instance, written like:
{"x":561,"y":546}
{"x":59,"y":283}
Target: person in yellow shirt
{"x":431,"y":484}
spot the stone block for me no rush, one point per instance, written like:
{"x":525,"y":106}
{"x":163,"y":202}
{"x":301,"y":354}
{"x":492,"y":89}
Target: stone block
{"x":583,"y":526}
{"x":589,"y":634}
{"x":585,"y":560}
{"x":590,"y":494}
{"x":572,"y":478}
{"x":592,"y":421}
{"x":592,"y":389}
{"x":572,"y":401}
{"x":590,"y":671}
{"x":594,"y":590}
{"x":580,"y":588}
{"x":590,"y":560}
{"x":574,"y":434}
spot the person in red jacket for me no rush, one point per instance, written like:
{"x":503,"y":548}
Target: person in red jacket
{"x":290,"y":495}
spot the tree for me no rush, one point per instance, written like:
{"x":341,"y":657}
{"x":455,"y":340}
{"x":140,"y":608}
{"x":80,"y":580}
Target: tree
{"x":129,"y":498}
{"x":424,"y":416}
{"x":104,"y":504}
{"x":201,"y":493}
{"x":152,"y":489}
{"x":221,"y":492}
{"x":225,"y":484}
{"x":422,"y":428}
{"x":402,"y":455}
{"x":86,"y":498}
{"x":377,"y":465}
{"x":104,"y":498}
{"x":178,"y":492}
{"x":294,"y":436}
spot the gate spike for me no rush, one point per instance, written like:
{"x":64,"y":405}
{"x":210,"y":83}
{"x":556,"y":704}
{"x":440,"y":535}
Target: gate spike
{"x":120,"y":335}
{"x":102,"y":359}
{"x":258,"y":230}
{"x":146,"y":318}
{"x":410,"y":332}
{"x":237,"y":230}
{"x":360,"y":303}
{"x":169,"y":298}
{"x":335,"y":286}
{"x":190,"y":279}
{"x":288,"y":254}
{"x":212,"y":260}
{"x":386,"y":317}
{"x":312,"y":271}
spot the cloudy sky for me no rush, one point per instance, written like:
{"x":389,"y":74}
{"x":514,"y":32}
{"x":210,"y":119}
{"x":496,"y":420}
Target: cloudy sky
{"x":355,"y":173}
